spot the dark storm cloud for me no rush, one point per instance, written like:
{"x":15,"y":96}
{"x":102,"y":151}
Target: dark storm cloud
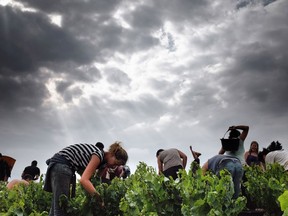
{"x":29,"y":40}
{"x":227,"y":67}
{"x":63,"y":6}
{"x":21,"y":94}
{"x":245,"y":3}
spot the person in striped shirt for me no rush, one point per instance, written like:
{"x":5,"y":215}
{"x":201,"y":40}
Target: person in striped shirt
{"x":84,"y":159}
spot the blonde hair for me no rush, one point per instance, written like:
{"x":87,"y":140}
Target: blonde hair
{"x":119,"y":153}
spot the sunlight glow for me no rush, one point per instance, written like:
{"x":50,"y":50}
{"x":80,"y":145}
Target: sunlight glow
{"x":56,"y":19}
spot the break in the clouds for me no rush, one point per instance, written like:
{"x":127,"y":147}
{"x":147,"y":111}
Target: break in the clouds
{"x":153,"y":74}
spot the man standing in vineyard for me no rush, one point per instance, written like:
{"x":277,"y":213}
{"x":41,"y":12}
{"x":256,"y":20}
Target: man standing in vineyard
{"x":170,"y":161}
{"x":232,"y":164}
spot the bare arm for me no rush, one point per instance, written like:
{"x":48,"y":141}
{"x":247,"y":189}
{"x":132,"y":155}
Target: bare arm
{"x":244,"y":128}
{"x":205,"y":167}
{"x":184,"y":158}
{"x":87,"y":174}
{"x":246,"y":155}
{"x":222,"y":151}
{"x":160,"y":165}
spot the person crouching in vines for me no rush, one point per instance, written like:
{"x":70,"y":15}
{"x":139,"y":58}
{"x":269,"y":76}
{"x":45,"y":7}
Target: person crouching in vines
{"x":85,"y":159}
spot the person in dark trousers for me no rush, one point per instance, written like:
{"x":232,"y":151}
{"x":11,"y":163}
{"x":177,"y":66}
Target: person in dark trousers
{"x":230,"y":163}
{"x":84,"y":159}
{"x":170,"y":161}
{"x":32,"y":170}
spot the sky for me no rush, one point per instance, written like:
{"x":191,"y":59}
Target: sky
{"x":149,"y":73}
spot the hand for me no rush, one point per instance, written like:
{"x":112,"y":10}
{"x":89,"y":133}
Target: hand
{"x":98,"y":199}
{"x":232,"y":127}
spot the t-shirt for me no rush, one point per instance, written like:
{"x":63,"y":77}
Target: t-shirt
{"x":79,"y":155}
{"x":279,"y":156}
{"x":239,"y":153}
{"x":170,"y":158}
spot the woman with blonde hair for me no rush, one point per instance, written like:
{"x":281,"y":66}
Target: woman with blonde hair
{"x":85,"y":159}
{"x":251,"y":156}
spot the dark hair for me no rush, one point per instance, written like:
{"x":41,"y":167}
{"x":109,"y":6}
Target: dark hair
{"x":100,"y":145}
{"x":127,"y":171}
{"x":234,"y":133}
{"x":274,"y":146}
{"x":34,"y":163}
{"x":158,"y":152}
{"x":261,"y":155}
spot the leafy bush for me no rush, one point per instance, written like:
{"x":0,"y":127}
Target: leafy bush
{"x":147,"y":193}
{"x":24,"y":200}
{"x":264,"y":187}
{"x":283,"y":199}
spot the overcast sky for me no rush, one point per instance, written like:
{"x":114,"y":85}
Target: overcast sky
{"x":149,"y":73}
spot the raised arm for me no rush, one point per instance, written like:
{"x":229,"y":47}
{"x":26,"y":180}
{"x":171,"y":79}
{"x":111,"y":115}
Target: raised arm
{"x":244,"y":128}
{"x":160,"y":165}
{"x":184,"y":158}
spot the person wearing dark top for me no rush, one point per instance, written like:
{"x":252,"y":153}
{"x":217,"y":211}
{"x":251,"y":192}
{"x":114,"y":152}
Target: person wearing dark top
{"x":251,"y":156}
{"x":32,"y":170}
{"x":5,"y":171}
{"x":85,"y":159}
{"x":230,"y":163}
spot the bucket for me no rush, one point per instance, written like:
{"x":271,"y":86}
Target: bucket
{"x":230,"y":144}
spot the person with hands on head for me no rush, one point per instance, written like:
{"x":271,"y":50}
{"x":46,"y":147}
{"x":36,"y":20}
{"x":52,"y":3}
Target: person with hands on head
{"x":234,"y":134}
{"x":85,"y":159}
{"x":170,"y":161}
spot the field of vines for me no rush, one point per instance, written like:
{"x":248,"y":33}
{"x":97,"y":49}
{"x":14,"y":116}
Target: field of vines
{"x":146,"y":193}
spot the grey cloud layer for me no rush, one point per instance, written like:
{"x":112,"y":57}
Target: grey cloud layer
{"x":234,"y":70}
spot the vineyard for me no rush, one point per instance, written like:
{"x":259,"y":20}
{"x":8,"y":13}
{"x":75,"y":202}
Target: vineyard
{"x":146,"y":193}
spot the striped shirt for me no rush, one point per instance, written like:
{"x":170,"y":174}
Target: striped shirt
{"x":79,"y":155}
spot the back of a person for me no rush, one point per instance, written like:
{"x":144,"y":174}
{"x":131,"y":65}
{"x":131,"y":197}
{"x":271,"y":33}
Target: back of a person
{"x":170,"y":158}
{"x":33,"y":171}
{"x":232,"y":164}
{"x":278,"y":156}
{"x":239,"y":153}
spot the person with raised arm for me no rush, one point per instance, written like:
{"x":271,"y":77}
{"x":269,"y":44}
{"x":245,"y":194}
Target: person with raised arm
{"x":236,"y":134}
